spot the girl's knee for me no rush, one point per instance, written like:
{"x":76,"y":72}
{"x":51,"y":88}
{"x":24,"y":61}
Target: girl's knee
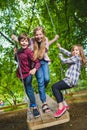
{"x":47,"y":79}
{"x":46,"y":82}
{"x":53,"y":88}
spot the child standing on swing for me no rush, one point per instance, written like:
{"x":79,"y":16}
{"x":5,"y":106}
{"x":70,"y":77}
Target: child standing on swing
{"x":75,"y":61}
{"x":24,"y":56}
{"x":40,"y":45}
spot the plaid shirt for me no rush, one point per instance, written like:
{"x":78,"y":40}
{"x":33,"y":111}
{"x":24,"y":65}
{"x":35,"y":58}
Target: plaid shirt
{"x":25,"y":60}
{"x":73,"y":72}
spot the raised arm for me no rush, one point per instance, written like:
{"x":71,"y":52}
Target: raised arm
{"x":53,"y":40}
{"x":70,"y":60}
{"x":66,"y":52}
{"x":14,"y":37}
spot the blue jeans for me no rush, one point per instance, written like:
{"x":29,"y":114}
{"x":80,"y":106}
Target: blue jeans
{"x":42,"y":76}
{"x":45,"y":70}
{"x":29,"y":90}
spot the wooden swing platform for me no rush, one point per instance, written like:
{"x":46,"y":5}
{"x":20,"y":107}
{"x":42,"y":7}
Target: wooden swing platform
{"x":46,"y":119}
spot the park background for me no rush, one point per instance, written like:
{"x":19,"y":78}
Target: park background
{"x":67,"y":18}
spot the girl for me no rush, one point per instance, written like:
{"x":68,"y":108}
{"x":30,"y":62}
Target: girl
{"x":40,"y":45}
{"x":76,"y":59}
{"x":24,"y":56}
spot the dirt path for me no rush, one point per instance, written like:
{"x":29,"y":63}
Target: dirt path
{"x":17,"y":121}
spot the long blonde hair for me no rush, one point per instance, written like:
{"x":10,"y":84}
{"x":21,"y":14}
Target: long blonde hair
{"x":82,"y":56}
{"x":39,"y":51}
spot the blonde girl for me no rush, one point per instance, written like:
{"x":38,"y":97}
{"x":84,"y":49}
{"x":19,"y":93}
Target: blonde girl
{"x":75,"y":60}
{"x":40,"y":45}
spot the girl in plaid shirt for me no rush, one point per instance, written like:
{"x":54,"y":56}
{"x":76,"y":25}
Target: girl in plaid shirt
{"x":75,"y":61}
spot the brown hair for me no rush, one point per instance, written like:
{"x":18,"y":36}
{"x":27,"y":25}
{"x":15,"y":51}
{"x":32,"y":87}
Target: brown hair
{"x":82,"y":56}
{"x":23,"y":36}
{"x":39,"y":51}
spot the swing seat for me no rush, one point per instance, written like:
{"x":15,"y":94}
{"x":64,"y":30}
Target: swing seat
{"x":46,"y":119}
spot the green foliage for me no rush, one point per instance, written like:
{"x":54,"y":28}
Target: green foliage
{"x":10,"y":88}
{"x":68,"y":18}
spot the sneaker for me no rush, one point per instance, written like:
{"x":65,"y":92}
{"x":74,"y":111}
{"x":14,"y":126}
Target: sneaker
{"x":60,"y":112}
{"x":36,"y":112}
{"x":67,"y":107}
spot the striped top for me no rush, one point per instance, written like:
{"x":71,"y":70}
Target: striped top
{"x":73,"y":71}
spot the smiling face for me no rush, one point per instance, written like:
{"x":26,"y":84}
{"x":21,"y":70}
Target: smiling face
{"x":75,"y":51}
{"x":39,"y":36}
{"x":24,"y":43}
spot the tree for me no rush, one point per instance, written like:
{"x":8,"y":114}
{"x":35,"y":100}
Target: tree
{"x":64,"y":17}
